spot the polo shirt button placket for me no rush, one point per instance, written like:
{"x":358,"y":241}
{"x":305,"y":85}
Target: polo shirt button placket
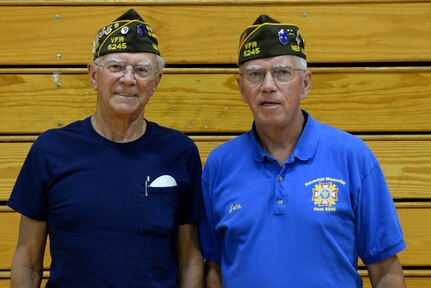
{"x":280,"y":208}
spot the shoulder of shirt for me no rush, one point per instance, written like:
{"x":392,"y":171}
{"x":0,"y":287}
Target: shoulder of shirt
{"x":343,"y":137}
{"x":162,"y":131}
{"x":337,"y":139}
{"x":53,"y":133}
{"x":231,"y":147}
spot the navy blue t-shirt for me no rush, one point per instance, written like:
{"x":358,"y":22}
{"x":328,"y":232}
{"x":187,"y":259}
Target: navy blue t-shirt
{"x":113,"y":209}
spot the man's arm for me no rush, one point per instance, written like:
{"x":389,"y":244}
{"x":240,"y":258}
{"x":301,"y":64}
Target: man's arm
{"x":213,"y":275}
{"x":27,"y":264}
{"x":387,"y":273}
{"x":191,"y":267}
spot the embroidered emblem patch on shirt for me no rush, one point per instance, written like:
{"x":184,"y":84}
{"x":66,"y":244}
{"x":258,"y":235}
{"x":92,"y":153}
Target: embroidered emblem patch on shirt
{"x":325,"y":193}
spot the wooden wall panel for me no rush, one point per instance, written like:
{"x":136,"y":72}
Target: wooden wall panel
{"x":415,"y":223}
{"x":406,"y":163}
{"x":5,"y":283}
{"x":411,"y":281}
{"x":335,"y":32}
{"x":386,"y":99}
{"x":12,"y":157}
{"x":207,"y":100}
{"x":9,"y":226}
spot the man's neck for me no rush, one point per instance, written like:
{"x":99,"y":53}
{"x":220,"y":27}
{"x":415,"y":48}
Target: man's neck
{"x":279,"y":142}
{"x":120,"y":129}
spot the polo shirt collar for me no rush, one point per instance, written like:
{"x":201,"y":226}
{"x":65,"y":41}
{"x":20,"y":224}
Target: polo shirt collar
{"x":304,"y":149}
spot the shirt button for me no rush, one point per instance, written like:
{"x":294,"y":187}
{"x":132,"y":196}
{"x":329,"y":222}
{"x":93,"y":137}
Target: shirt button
{"x":280,"y":202}
{"x":280,"y":178}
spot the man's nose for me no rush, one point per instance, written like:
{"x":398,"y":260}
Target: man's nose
{"x":268,"y":82}
{"x":128,"y":75}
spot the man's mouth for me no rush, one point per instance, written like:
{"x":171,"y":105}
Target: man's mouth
{"x":268,"y":104}
{"x":126,"y":94}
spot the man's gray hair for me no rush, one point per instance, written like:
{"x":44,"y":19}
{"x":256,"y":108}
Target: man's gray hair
{"x":160,"y":64}
{"x":301,"y":63}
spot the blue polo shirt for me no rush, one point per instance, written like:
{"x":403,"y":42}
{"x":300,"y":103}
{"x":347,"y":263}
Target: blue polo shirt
{"x":112,"y":209}
{"x":302,"y":224}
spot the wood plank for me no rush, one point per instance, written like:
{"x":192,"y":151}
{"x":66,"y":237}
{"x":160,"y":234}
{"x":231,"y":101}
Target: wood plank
{"x":12,"y":156}
{"x":408,"y":272}
{"x":207,"y":100}
{"x":5,"y":283}
{"x":412,"y":281}
{"x":406,"y":163}
{"x":9,"y":227}
{"x":416,"y":223}
{"x":184,"y":2}
{"x":64,"y":34}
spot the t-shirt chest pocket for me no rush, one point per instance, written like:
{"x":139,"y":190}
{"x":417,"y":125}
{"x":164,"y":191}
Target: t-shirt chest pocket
{"x":158,"y":210}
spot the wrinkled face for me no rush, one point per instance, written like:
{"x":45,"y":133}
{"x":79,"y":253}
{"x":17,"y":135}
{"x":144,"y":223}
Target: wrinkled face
{"x":124,"y":82}
{"x":273,"y":88}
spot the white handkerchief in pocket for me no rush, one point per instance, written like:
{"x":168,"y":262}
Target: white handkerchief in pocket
{"x":164,"y":181}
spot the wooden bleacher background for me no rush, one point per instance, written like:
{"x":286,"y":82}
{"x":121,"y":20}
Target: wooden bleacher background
{"x":371,"y":65}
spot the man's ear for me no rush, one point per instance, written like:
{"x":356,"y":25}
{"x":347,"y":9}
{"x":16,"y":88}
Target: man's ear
{"x":156,"y":84}
{"x":240,"y":82}
{"x":91,"y":68}
{"x":306,"y":84}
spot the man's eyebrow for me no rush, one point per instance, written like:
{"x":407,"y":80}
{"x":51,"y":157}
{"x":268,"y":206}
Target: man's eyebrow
{"x":114,"y":60}
{"x":258,"y":67}
{"x":253,"y":67}
{"x":147,"y":63}
{"x":282,"y":65}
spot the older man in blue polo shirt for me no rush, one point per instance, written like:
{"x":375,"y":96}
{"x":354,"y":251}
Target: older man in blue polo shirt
{"x":293,"y":202}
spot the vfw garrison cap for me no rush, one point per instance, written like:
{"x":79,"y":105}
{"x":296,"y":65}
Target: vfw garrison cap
{"x":128,"y":33}
{"x":267,"y":38}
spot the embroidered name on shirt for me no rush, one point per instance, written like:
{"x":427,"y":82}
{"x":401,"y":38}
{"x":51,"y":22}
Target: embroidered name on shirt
{"x":234,"y":207}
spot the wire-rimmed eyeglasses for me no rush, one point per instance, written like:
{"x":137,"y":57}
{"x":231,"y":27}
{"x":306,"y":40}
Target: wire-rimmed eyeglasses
{"x":118,"y":69}
{"x":280,"y":75}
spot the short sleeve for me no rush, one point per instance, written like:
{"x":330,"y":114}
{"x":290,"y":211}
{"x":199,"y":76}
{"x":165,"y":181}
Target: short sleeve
{"x":191,"y":205}
{"x":209,"y":239}
{"x":379,"y":231}
{"x":29,"y":195}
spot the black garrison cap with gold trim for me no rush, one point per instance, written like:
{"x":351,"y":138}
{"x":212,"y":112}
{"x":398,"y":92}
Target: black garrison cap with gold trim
{"x":267,"y":38}
{"x":128,"y":33}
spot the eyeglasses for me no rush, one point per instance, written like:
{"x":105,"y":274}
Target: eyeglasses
{"x":280,"y":75}
{"x":118,"y":69}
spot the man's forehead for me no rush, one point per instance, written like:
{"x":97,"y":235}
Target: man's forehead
{"x":139,"y":58}
{"x":279,"y":61}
